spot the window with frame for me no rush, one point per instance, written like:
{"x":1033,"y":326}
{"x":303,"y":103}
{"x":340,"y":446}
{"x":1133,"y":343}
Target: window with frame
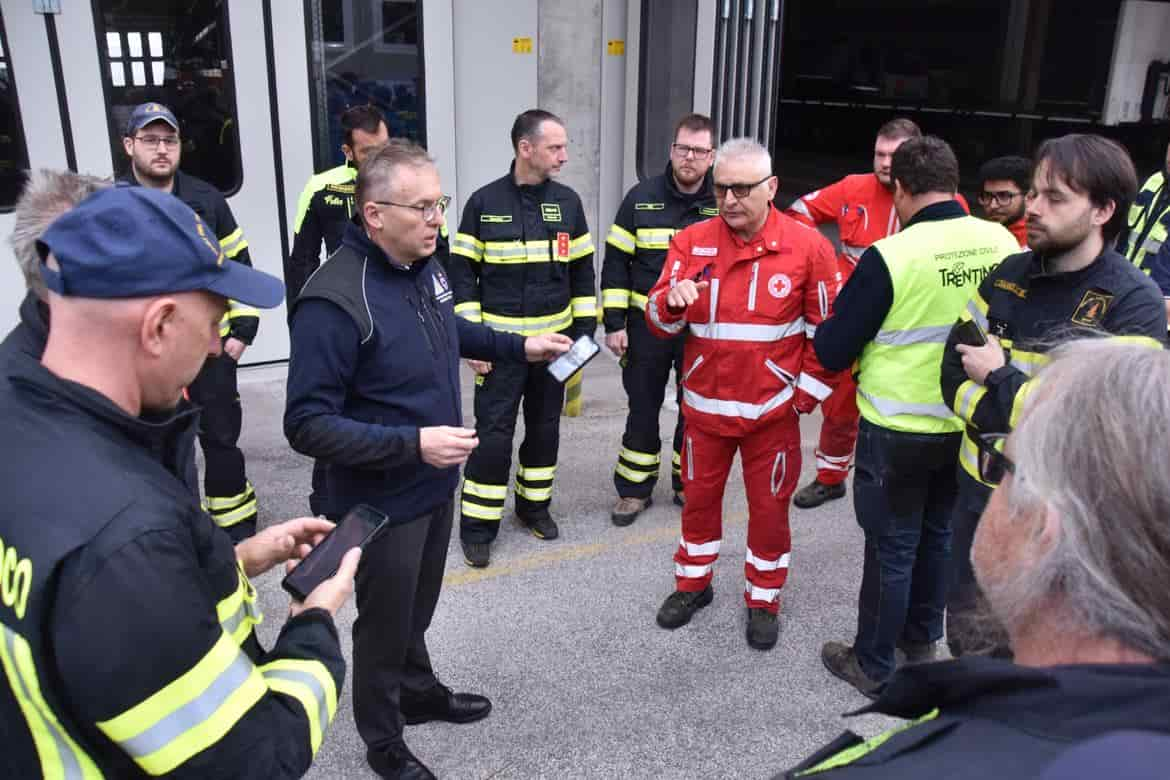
{"x":13,"y":150}
{"x":364,"y":52}
{"x":178,"y":53}
{"x":666,"y":76}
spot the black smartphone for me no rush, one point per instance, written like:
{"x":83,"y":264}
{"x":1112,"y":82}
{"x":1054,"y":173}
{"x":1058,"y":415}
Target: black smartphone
{"x":969,"y":333}
{"x":359,"y":526}
{"x":583,"y":350}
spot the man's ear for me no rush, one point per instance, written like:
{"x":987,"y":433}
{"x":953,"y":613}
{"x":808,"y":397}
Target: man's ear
{"x":158,"y":318}
{"x":1102,"y":214}
{"x":347,"y":152}
{"x":128,"y":145}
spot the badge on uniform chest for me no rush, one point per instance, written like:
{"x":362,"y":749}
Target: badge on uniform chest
{"x":1091,"y":310}
{"x":562,"y":246}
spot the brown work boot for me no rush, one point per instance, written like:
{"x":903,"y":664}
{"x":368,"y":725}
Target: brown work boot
{"x":628,"y":508}
{"x":842,"y":662}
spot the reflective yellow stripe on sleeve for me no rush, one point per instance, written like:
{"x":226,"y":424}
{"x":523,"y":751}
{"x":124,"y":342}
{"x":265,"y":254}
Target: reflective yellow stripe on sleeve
{"x":468,"y":246}
{"x":615,"y":299}
{"x":1019,"y":401}
{"x":233,"y":243}
{"x":190,"y":714}
{"x":60,"y":757}
{"x":585,"y":306}
{"x":638,"y":301}
{"x":620,"y":238}
{"x":967,"y":398}
{"x":310,"y":683}
{"x":654,"y":238}
{"x":239,"y":612}
{"x":471,"y":311}
{"x":849,"y":755}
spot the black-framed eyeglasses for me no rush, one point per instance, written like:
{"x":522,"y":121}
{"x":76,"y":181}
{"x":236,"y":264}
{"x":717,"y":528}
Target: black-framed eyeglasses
{"x":427,"y":212}
{"x":740,"y":190}
{"x":993,"y":464}
{"x":1001,"y":197}
{"x":684,"y":151}
{"x":154,"y":141}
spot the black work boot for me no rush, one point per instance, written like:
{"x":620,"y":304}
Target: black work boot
{"x":680,"y":606}
{"x":398,"y":762}
{"x":540,"y":524}
{"x":842,"y":662}
{"x":816,"y":493}
{"x":477,"y":554}
{"x":763,"y":628}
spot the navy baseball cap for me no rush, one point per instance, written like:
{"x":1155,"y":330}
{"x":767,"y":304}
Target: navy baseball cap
{"x":135,"y":242}
{"x":146,"y":113}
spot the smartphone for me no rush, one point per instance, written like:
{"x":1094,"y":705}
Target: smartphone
{"x":583,"y":350}
{"x":968,"y":332}
{"x":360,"y":525}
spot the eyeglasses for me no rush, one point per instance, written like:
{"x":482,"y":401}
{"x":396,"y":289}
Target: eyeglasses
{"x":427,"y":212}
{"x":993,"y":464}
{"x":684,"y":151}
{"x":741,"y":190}
{"x":154,"y":141}
{"x":1001,"y":198}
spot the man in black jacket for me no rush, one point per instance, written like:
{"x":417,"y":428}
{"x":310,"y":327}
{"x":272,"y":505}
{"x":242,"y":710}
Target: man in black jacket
{"x":1071,"y":280}
{"x":521,"y":262}
{"x":152,"y":143}
{"x":126,"y":624}
{"x":1073,"y":552}
{"x":373,"y":394}
{"x":652,"y":211}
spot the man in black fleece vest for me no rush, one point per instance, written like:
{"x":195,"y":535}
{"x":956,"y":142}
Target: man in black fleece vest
{"x":373,"y":394}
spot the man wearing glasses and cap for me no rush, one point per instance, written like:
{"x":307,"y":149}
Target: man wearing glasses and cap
{"x":153,"y":144}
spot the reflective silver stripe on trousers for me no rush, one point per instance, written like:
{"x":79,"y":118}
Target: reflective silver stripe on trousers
{"x":193,"y":712}
{"x":64,"y":752}
{"x":310,"y":682}
{"x":935,"y":334}
{"x":890,"y":408}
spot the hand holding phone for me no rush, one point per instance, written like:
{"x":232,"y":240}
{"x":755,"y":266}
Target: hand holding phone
{"x":968,"y":332}
{"x":356,"y":529}
{"x":583,"y":350}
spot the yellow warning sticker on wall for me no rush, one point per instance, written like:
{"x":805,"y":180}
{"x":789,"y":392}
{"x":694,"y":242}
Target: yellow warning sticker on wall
{"x":616,"y":48}
{"x":521,"y":45}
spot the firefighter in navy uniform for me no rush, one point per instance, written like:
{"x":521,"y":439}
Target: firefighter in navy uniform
{"x":126,"y":619}
{"x":1072,"y":279}
{"x":522,"y":262}
{"x":652,"y":212}
{"x":326,"y":203}
{"x":153,"y":145}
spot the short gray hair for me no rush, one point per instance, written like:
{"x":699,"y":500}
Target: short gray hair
{"x":376,"y":174}
{"x":736,"y":148}
{"x":47,"y":195}
{"x":1090,"y":452}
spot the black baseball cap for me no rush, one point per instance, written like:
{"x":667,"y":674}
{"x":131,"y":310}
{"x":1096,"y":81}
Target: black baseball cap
{"x":136,"y":242}
{"x":146,"y":113}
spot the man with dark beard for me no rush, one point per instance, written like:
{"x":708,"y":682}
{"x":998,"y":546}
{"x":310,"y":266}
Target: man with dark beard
{"x":1072,"y":279}
{"x":153,"y":144}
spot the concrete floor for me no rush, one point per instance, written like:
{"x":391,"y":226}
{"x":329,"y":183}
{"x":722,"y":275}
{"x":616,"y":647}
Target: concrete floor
{"x":561,"y":635}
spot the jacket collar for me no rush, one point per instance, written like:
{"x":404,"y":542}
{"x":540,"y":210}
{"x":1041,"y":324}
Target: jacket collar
{"x":948,"y":209}
{"x":355,"y":237}
{"x":1065,"y":701}
{"x":705,"y":192}
{"x":1038,"y":271}
{"x":162,"y":433}
{"x":534,"y":190}
{"x":34,"y":315}
{"x":769,"y":234}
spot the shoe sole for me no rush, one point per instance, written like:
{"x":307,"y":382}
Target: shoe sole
{"x":475,"y":565}
{"x":414,"y":720}
{"x":703,"y":601}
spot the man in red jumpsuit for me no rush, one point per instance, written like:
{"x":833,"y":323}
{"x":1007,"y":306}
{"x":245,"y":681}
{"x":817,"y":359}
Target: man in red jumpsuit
{"x":749,"y":287}
{"x":862,"y":205}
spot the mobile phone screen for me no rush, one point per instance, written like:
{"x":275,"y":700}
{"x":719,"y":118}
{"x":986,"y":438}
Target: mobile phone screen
{"x":968,"y":332}
{"x":583,"y":350}
{"x":355,"y":530}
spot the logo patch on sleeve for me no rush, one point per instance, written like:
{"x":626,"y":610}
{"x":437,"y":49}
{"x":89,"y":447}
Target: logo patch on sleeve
{"x":551,"y":212}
